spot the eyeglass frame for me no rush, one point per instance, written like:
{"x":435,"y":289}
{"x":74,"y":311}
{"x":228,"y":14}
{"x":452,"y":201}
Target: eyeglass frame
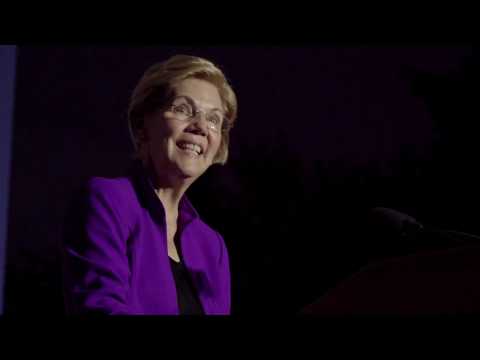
{"x":195,"y":112}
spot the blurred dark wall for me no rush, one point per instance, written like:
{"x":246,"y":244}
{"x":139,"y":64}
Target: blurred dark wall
{"x":8,"y":60}
{"x":323,"y":134}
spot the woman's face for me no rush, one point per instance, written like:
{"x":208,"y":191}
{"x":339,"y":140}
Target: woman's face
{"x":182,"y":146}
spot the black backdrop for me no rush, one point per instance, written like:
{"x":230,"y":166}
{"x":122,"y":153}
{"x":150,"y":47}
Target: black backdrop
{"x":324,"y":133}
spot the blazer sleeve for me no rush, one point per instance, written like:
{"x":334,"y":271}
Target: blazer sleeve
{"x":95,"y":259}
{"x":224,"y":277}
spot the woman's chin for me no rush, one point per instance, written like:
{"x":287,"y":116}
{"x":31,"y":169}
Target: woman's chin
{"x":190,"y":170}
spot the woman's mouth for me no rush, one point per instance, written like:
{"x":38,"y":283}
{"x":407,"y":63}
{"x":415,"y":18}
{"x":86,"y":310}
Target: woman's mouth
{"x":190,"y":147}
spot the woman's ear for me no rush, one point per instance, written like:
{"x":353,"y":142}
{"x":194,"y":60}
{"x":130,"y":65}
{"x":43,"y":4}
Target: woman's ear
{"x":142,"y":140}
{"x":142,"y":136}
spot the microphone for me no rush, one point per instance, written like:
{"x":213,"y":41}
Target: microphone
{"x":407,"y":227}
{"x":394,"y":221}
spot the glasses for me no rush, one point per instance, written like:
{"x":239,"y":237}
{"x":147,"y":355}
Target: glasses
{"x":185,"y":111}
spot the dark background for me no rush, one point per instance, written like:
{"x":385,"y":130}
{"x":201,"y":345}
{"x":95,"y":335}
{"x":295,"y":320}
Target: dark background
{"x":324,"y":134}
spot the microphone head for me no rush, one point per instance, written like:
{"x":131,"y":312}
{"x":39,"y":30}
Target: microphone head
{"x":385,"y":219}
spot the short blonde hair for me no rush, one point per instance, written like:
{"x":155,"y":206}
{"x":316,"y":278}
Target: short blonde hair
{"x":154,"y":90}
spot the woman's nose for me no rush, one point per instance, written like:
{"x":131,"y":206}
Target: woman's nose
{"x":198,"y":124}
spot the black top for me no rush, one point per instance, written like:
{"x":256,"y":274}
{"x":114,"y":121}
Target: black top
{"x":188,"y":302}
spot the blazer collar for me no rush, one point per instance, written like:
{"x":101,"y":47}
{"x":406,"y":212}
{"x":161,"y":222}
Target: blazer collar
{"x":149,"y":199}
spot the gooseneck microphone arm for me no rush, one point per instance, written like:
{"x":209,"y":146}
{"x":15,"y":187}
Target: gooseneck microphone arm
{"x":406,"y":225}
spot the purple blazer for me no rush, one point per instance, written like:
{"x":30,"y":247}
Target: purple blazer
{"x":115,"y":252}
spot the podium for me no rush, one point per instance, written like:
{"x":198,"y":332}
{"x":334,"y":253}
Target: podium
{"x":440,"y":282}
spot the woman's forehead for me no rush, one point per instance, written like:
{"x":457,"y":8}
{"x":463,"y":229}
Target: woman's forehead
{"x":200,"y":91}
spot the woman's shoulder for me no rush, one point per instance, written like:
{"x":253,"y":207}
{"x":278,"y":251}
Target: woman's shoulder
{"x":117,"y":191}
{"x":115,"y":195}
{"x":119,"y":187}
{"x":211,"y":239}
{"x":95,"y":198}
{"x":189,"y":212}
{"x":205,"y":232}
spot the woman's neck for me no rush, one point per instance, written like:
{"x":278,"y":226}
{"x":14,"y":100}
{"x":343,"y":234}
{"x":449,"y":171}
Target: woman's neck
{"x":170,"y":198}
{"x":169,"y":189}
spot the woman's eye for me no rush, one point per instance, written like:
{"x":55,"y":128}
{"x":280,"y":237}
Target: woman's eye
{"x":182,"y":109}
{"x":214,"y":119}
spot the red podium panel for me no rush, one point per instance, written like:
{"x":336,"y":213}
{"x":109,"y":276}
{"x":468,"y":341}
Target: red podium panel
{"x":434,"y":283}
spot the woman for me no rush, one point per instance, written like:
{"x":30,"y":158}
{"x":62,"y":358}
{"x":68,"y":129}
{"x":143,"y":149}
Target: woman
{"x":135,"y":244}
